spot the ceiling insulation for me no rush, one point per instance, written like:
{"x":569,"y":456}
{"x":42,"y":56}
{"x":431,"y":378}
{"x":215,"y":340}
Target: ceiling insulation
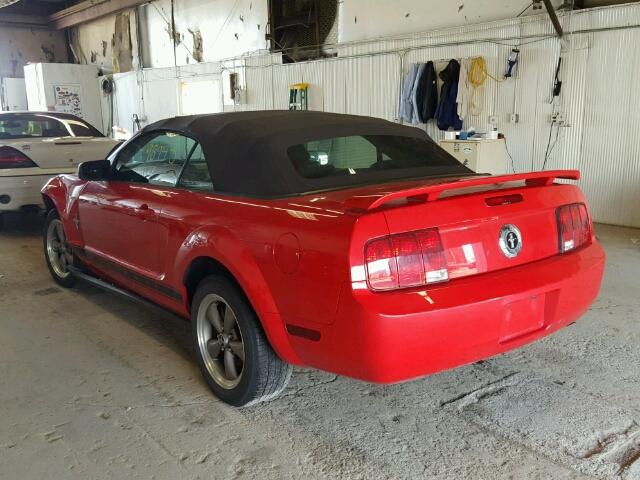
{"x":6,"y":3}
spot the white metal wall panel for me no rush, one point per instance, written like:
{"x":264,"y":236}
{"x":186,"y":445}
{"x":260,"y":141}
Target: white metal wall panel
{"x":567,"y":153}
{"x":126,"y":100}
{"x":335,"y":86}
{"x":610,"y":148}
{"x":260,"y":93}
{"x":312,"y":73}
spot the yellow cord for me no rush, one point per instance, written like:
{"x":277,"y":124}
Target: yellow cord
{"x":477,"y":76}
{"x":478,"y":72}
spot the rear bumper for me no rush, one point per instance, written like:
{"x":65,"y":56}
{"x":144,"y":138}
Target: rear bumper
{"x":392,"y":337}
{"x":22,"y":191}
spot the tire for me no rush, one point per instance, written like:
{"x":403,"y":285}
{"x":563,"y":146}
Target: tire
{"x":233,"y":353}
{"x":56,"y":251}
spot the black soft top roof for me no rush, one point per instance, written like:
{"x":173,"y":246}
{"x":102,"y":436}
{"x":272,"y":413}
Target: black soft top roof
{"x":247,"y":151}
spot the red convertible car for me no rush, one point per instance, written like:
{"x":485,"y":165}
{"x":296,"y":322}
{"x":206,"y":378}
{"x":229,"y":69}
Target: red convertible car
{"x":349,"y":244}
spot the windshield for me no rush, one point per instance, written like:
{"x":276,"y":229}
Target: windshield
{"x":42,"y":125}
{"x":372,"y":157}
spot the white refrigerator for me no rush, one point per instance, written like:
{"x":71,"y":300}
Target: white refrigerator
{"x":13,"y":95}
{"x":64,"y":87}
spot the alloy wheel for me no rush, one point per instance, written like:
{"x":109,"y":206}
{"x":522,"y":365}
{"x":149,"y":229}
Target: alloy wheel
{"x":220,"y":341}
{"x":58,"y":250}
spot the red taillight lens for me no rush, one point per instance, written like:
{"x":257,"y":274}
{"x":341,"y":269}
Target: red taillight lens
{"x":408,"y":259}
{"x":435,"y":263}
{"x":12,"y":158}
{"x":382,"y":269}
{"x":405,"y":260}
{"x":574,"y":226}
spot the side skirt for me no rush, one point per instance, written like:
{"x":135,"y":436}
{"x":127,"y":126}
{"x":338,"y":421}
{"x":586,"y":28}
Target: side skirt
{"x":109,"y":287}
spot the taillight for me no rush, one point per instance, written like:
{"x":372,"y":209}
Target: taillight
{"x":574,"y":226}
{"x":405,"y":260}
{"x":435,"y":263}
{"x":12,"y":158}
{"x":382,"y":268}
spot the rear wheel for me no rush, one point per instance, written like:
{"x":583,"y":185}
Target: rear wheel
{"x":57,"y":252}
{"x":234,"y":355}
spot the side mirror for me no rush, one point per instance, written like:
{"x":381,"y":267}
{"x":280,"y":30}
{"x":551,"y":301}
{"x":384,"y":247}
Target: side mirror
{"x":95,"y":170}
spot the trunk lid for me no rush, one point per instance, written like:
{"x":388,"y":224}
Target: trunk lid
{"x":63,"y":152}
{"x":475,"y":216}
{"x":488,"y":223}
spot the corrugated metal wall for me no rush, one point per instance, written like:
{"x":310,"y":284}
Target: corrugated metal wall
{"x":600,"y":96}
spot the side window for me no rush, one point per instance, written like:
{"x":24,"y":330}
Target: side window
{"x":195,"y":175}
{"x":156,"y":158}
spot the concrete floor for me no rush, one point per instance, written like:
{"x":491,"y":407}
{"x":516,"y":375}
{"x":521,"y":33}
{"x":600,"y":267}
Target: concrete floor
{"x":92,"y":386}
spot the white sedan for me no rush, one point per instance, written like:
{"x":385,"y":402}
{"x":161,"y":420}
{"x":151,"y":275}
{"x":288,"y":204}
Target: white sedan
{"x":36,"y":146}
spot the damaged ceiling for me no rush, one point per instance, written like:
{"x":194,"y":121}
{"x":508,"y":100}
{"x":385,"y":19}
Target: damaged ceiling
{"x":64,"y":14}
{"x":234,"y":26}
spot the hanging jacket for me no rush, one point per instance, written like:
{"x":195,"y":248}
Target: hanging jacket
{"x":406,"y":100}
{"x":464,"y":90}
{"x":415,"y":118}
{"x":447,"y":111}
{"x":427,"y":93}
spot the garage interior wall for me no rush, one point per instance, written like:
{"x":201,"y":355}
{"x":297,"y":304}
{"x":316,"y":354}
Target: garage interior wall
{"x":22,"y":45}
{"x":600,"y":95}
{"x":96,"y":41}
{"x":229,"y":28}
{"x":235,"y":27}
{"x":365,"y":19}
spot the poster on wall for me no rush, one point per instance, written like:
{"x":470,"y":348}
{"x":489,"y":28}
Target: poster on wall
{"x":68,"y":99}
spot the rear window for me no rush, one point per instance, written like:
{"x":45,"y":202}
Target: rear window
{"x":372,"y":157}
{"x":41,"y":125}
{"x":82,"y":129}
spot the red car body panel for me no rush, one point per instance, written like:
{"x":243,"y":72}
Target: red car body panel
{"x":300,"y":262}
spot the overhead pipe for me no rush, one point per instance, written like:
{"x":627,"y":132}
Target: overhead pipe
{"x":554,"y":18}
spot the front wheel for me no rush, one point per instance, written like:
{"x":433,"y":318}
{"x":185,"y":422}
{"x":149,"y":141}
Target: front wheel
{"x":234,"y":355}
{"x":57,"y":252}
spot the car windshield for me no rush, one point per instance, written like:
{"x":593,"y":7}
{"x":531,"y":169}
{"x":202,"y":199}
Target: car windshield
{"x":42,"y":125}
{"x":370,"y":157}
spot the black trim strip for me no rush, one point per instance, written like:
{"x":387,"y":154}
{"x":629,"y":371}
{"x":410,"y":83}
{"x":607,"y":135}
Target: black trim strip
{"x":303,"y":332}
{"x":122,"y":292}
{"x":125,"y":272}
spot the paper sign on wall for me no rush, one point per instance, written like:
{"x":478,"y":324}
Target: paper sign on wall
{"x":68,"y":99}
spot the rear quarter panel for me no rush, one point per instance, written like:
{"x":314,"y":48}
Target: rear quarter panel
{"x":289,"y":258}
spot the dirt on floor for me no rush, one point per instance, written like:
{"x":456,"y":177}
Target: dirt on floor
{"x":94,"y":386}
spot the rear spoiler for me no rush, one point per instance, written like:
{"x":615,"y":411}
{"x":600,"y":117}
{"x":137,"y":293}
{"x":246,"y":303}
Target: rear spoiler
{"x":431,"y":192}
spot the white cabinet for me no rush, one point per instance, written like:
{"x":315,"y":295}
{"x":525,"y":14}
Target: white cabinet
{"x":14,"y":94}
{"x":481,"y":156}
{"x":63,"y":87}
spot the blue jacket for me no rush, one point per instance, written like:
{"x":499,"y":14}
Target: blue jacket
{"x":447,"y":111}
{"x":406,"y":97}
